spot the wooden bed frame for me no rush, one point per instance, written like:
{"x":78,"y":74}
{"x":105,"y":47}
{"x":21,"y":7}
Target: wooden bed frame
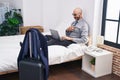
{"x":6,"y":72}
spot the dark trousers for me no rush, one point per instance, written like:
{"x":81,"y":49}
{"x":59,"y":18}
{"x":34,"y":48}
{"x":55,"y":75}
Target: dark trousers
{"x":53,"y":41}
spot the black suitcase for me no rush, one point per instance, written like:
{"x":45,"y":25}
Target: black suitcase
{"x":30,"y":68}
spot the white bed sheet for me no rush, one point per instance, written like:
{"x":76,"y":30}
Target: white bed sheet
{"x":9,"y":50}
{"x":60,"y":54}
{"x":10,"y":47}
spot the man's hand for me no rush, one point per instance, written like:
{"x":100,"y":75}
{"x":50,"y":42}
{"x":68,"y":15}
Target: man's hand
{"x":66,"y":38}
{"x":71,"y":28}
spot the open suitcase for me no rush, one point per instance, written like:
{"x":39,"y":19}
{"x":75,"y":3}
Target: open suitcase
{"x":30,"y":68}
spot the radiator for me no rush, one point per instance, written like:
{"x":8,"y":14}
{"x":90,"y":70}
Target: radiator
{"x":116,"y":58}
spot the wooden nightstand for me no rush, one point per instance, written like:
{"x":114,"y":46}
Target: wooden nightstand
{"x":25,"y":28}
{"x":103,"y":62}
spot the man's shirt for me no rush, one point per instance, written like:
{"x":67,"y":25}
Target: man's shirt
{"x":80,"y":33}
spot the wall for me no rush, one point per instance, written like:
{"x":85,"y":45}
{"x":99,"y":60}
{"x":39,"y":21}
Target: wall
{"x":18,"y":4}
{"x":11,"y":2}
{"x":57,"y":12}
{"x":32,"y":12}
{"x":52,"y":13}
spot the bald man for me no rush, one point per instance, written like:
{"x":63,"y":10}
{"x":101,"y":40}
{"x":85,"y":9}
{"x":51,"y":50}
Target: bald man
{"x":76,"y":33}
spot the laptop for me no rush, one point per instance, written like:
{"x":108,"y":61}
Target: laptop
{"x":55,"y":34}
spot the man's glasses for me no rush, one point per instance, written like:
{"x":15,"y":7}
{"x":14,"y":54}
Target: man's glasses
{"x":74,"y":14}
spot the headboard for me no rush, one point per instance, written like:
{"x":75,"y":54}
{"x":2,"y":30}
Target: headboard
{"x":23,"y":29}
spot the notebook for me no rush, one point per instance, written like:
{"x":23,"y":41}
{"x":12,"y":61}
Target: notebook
{"x":55,"y":34}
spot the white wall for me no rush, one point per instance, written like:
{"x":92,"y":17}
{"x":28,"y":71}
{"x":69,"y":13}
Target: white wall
{"x":32,"y":12}
{"x":11,"y":3}
{"x":52,"y":13}
{"x":18,"y":4}
{"x":56,"y":12}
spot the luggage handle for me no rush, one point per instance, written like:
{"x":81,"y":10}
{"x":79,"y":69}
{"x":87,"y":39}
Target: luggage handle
{"x":30,"y":46}
{"x":38,"y":45}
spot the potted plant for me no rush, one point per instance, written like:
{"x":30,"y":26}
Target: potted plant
{"x":13,"y":19}
{"x":92,"y":62}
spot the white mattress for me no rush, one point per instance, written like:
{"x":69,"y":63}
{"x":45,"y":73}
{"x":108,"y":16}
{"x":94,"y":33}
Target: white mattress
{"x":9,"y":50}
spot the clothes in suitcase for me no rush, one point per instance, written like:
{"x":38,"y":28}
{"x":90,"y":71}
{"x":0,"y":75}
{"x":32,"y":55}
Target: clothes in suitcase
{"x":33,"y":57}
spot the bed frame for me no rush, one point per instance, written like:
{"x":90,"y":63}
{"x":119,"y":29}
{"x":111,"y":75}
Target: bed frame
{"x":6,"y":72}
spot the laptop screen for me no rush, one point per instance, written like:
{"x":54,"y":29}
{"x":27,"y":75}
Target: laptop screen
{"x":55,"y":34}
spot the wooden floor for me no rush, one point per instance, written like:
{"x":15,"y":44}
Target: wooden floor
{"x":67,"y":71}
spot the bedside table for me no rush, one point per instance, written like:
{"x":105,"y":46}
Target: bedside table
{"x":103,"y":62}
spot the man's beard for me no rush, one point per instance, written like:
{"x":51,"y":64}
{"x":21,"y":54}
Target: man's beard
{"x":76,"y":18}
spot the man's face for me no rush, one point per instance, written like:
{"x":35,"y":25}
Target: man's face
{"x":76,"y":16}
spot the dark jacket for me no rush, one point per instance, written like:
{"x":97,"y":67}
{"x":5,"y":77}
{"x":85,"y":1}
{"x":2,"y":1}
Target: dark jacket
{"x":39,"y":48}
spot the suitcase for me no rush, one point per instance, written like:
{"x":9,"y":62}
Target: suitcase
{"x":31,"y":69}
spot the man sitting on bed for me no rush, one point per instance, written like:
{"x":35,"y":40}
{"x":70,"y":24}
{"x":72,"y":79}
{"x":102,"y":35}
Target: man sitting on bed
{"x":76,"y":33}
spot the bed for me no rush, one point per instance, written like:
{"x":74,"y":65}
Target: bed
{"x":10,"y":47}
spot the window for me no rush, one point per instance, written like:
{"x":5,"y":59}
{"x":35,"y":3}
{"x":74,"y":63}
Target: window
{"x":111,"y":23}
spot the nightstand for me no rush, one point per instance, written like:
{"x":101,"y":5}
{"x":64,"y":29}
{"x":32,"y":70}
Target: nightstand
{"x":103,"y":62}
